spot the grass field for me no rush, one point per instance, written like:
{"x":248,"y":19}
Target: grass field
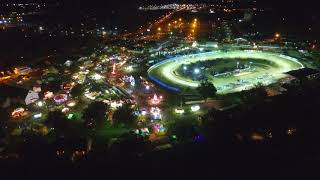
{"x":269,"y":67}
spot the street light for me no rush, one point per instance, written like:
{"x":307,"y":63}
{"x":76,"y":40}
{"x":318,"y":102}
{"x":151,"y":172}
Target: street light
{"x":196,"y":70}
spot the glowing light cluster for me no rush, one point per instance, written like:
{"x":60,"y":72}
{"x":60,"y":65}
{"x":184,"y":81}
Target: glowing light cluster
{"x":164,"y":72}
{"x":179,"y":110}
{"x":156,"y":99}
{"x":195,"y":108}
{"x":156,"y":113}
{"x":60,"y":98}
{"x":97,"y":77}
{"x":37,"y":116}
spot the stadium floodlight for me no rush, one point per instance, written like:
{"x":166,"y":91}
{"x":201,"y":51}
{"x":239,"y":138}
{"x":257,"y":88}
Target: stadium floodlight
{"x":196,"y":70}
{"x":185,"y":68}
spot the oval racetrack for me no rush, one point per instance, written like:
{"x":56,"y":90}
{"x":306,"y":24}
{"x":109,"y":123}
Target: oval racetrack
{"x":164,"y":72}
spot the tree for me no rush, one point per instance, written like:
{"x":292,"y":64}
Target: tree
{"x":58,"y":121}
{"x":53,"y":82}
{"x":131,"y":144}
{"x":4,"y":115}
{"x":255,"y":95}
{"x":95,"y":86}
{"x":77,"y":90}
{"x":184,"y":130}
{"x":124,"y":115}
{"x":260,"y":91}
{"x":206,"y":89}
{"x":95,"y":114}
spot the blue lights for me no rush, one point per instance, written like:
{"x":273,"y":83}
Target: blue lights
{"x":163,"y":84}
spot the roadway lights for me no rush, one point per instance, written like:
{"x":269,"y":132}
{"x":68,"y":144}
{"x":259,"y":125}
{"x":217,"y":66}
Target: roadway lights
{"x":277,"y":35}
{"x":159,"y":28}
{"x":180,"y":19}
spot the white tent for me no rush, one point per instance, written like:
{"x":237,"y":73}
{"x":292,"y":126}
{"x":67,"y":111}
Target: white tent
{"x":31,"y":97}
